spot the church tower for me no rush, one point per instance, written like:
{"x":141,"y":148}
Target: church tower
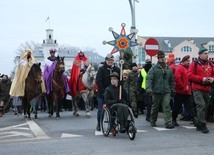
{"x":49,"y":43}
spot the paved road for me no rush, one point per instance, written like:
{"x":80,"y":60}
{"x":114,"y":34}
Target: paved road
{"x":77,"y":135}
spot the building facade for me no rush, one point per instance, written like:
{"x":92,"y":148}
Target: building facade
{"x":179,"y":46}
{"x":42,"y":53}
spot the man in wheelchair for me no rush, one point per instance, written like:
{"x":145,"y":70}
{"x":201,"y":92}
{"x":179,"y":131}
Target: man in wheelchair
{"x":111,"y":98}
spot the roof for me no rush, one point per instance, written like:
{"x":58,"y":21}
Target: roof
{"x":72,"y":54}
{"x":174,"y":41}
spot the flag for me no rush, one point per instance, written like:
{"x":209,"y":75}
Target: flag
{"x":47,"y":19}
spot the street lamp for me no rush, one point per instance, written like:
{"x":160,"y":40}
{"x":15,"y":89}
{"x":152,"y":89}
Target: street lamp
{"x":133,"y":27}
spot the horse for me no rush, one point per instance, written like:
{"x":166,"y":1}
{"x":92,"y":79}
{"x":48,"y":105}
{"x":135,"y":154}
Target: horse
{"x":33,"y":88}
{"x":58,"y":86}
{"x":85,"y":89}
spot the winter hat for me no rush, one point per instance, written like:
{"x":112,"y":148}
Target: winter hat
{"x":115,"y":74}
{"x":161,"y":54}
{"x":185,"y":58}
{"x":109,"y":56}
{"x":148,"y":61}
{"x":52,"y":50}
{"x":202,"y":50}
{"x":133,"y":65}
{"x":171,"y":58}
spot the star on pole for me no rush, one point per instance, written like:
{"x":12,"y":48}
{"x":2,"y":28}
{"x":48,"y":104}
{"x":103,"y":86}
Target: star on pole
{"x":122,"y":41}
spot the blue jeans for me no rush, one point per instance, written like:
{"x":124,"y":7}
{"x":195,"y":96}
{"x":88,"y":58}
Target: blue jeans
{"x":99,"y":108}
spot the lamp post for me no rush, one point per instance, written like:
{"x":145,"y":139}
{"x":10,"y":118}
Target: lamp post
{"x":133,"y":27}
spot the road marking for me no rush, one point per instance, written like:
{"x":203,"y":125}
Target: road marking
{"x":98,"y":133}
{"x":66,"y":135}
{"x":189,"y":127}
{"x":141,"y":131}
{"x":38,"y":132}
{"x":13,"y":127}
{"x":14,"y":134}
{"x":162,"y":129}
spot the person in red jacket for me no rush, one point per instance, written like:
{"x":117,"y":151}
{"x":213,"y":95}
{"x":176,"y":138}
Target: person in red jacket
{"x":171,"y":62}
{"x":79,"y":63}
{"x":201,"y":75}
{"x":183,"y":90}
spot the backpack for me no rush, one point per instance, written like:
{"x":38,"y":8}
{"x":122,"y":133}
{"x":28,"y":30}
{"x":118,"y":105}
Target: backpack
{"x":196,"y":64}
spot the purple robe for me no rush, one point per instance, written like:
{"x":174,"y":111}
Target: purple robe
{"x":48,"y":77}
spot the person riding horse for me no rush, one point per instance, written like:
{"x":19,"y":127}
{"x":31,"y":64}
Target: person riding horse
{"x":19,"y":82}
{"x":79,"y":62}
{"x":18,"y":85}
{"x":49,"y":73}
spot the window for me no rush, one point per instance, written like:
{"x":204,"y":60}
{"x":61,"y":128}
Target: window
{"x":186,"y":49}
{"x":211,"y":48}
{"x":194,"y":59}
{"x":178,"y":59}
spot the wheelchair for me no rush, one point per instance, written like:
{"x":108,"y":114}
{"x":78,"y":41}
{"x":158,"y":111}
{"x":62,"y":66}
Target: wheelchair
{"x":110,"y":123}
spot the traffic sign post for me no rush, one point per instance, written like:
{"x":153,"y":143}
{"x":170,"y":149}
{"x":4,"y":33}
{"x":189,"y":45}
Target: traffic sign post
{"x":151,"y":47}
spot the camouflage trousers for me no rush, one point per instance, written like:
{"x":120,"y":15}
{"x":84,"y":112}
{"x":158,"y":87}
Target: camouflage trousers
{"x":202,"y":101}
{"x":133,"y":100}
{"x":164,"y":100}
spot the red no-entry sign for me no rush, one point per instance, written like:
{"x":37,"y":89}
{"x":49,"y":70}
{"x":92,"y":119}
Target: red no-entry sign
{"x":151,"y":47}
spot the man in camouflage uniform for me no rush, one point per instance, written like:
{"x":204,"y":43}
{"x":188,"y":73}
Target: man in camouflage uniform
{"x":132,"y":88}
{"x":160,"y":84}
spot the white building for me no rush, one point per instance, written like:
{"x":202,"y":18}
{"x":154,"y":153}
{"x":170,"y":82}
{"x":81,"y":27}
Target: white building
{"x":42,"y":53}
{"x":179,"y":46}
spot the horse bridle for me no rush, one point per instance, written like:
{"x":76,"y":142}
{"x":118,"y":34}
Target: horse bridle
{"x":39,"y":81}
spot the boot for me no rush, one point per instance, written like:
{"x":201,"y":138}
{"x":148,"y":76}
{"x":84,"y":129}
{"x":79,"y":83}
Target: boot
{"x":1,"y":111}
{"x":135,"y":112}
{"x":98,"y":127}
{"x":174,"y":122}
{"x":198,"y":126}
{"x":169,"y":126}
{"x":204,"y":128}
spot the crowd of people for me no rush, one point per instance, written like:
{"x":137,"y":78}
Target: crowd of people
{"x":186,"y":88}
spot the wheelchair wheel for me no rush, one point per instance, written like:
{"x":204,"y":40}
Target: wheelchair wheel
{"x":105,"y":122}
{"x":131,"y":131}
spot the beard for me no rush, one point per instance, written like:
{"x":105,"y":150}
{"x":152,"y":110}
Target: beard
{"x":163,"y":64}
{"x":28,"y":57}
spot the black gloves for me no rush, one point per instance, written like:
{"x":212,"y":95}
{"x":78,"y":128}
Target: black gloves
{"x":119,"y":101}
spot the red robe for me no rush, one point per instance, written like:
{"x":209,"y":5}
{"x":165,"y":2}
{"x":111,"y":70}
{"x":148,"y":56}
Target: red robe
{"x":75,"y":74}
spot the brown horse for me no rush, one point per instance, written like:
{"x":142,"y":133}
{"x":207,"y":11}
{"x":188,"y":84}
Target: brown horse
{"x":33,"y":87}
{"x":58,"y":86}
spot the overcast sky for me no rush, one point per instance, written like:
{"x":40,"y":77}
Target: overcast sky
{"x":85,"y":23}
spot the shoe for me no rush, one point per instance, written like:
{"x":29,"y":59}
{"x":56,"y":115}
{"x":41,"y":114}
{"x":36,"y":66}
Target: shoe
{"x":135,"y":113}
{"x":1,"y":113}
{"x":170,"y":126}
{"x":147,"y":119}
{"x":122,"y":130}
{"x":185,"y":119}
{"x":153,"y":125}
{"x":198,"y":126}
{"x":98,"y":127}
{"x":175,"y":123}
{"x":58,"y":117}
{"x":204,"y":128}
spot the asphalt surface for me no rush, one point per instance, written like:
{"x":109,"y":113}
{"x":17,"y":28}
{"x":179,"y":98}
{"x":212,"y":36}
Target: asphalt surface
{"x":77,"y":135}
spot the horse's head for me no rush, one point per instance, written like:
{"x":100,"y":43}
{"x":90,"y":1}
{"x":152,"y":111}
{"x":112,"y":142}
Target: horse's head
{"x":91,"y":71}
{"x":60,"y":65}
{"x":36,"y":72}
{"x":89,"y":76}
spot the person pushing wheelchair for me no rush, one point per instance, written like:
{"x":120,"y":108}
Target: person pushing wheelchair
{"x":111,"y":98}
